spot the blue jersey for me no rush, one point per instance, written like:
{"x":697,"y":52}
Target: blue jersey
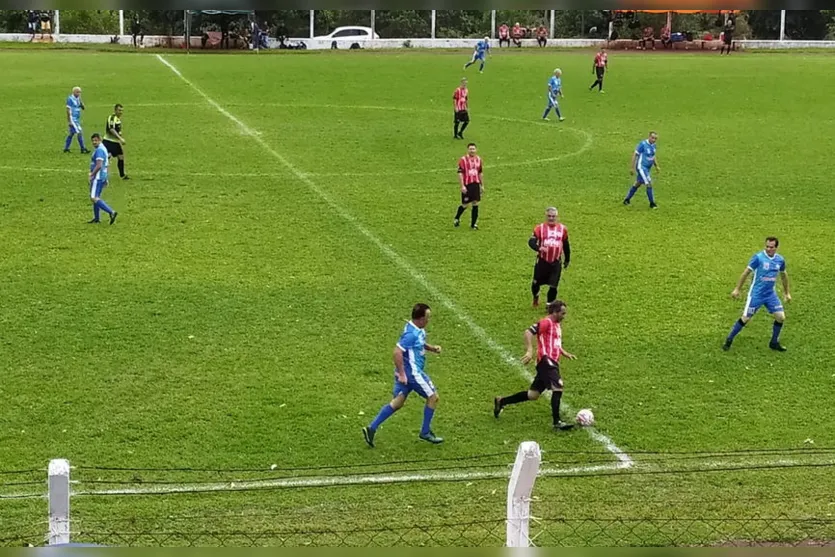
{"x":482,"y":47}
{"x":554,"y":85}
{"x":100,"y":153}
{"x":646,"y":154}
{"x":765,"y":270}
{"x":74,"y":104}
{"x":412,"y":342}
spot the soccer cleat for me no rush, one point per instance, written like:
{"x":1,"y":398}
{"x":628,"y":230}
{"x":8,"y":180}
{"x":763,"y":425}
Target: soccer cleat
{"x":602,"y":91}
{"x":777,"y":347}
{"x":546,"y":119}
{"x":431,"y":438}
{"x":474,"y":227}
{"x":562,"y":119}
{"x":368,"y":434}
{"x":66,"y":150}
{"x":113,"y":217}
{"x":85,"y":151}
{"x":125,"y":177}
{"x":497,"y":406}
{"x":456,"y":223}
{"x":653,"y":206}
{"x":627,"y":202}
{"x":93,"y":221}
{"x":726,"y":346}
{"x":563,"y":426}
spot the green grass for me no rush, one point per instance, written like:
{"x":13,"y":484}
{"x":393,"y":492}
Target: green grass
{"x":233,"y":319}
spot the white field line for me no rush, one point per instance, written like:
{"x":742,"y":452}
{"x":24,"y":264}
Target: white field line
{"x":624,"y":459}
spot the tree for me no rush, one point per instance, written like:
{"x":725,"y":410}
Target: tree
{"x":807,"y":25}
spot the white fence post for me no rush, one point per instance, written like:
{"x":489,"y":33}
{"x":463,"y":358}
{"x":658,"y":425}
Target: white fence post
{"x":373,"y":23}
{"x":493,"y":24}
{"x":57,"y":18}
{"x":121,"y":22}
{"x":782,"y":25}
{"x":525,"y":470}
{"x":59,"y":501}
{"x":434,"y":21}
{"x":553,"y":12}
{"x":312,"y":21}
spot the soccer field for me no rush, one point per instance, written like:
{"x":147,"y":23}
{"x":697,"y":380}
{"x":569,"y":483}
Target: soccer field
{"x":286,"y":211}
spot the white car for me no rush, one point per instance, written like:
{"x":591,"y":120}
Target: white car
{"x":350,"y":33}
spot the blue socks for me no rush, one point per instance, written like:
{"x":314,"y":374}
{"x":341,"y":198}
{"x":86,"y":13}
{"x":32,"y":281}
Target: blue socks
{"x":650,"y":195}
{"x":100,"y":204}
{"x":68,"y":142}
{"x":481,"y":69}
{"x":81,"y":142}
{"x":632,"y":191}
{"x":547,"y":111}
{"x":737,"y":328}
{"x":557,"y":110}
{"x":775,"y":332}
{"x":386,"y":412}
{"x":96,"y":211}
{"x":428,"y":414}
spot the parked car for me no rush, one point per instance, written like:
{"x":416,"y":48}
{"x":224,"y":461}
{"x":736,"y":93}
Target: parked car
{"x":350,"y":33}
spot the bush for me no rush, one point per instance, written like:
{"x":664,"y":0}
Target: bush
{"x":90,"y":22}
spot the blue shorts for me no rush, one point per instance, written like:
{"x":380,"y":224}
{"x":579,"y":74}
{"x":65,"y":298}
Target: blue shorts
{"x":418,"y":382}
{"x":97,"y":186}
{"x":643,"y":175}
{"x":552,"y":101}
{"x":75,"y":127}
{"x":754,"y":302}
{"x":479,"y":56}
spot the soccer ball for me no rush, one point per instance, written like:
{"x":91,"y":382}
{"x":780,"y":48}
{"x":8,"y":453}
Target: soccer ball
{"x":585,"y":417}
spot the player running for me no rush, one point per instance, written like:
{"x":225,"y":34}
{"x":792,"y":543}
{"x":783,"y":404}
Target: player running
{"x":548,"y":333}
{"x":643,"y":159}
{"x":409,"y":358}
{"x":74,"y":107}
{"x":460,"y":100}
{"x":550,"y":241}
{"x":765,"y":265}
{"x":113,"y":139}
{"x":482,"y":47}
{"x":554,"y":91}
{"x":470,"y":177}
{"x":98,"y":180}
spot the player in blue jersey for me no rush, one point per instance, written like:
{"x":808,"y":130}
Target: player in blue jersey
{"x":643,"y":159}
{"x":554,"y":91}
{"x":766,"y":266}
{"x":482,"y":47}
{"x":409,"y":375}
{"x":74,"y":108}
{"x":98,"y":180}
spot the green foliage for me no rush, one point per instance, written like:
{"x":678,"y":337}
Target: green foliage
{"x":800,"y":24}
{"x":13,"y":21}
{"x":92,"y":22}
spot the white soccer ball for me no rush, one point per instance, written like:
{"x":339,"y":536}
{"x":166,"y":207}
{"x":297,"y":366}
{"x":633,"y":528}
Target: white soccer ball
{"x":585,"y":417}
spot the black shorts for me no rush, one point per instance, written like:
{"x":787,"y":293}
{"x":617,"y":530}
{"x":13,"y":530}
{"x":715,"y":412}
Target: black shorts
{"x":547,"y":274}
{"x":548,"y":376}
{"x":600,"y":72}
{"x":462,"y":116}
{"x":113,"y":147}
{"x":473,"y":194}
{"x":729,"y":38}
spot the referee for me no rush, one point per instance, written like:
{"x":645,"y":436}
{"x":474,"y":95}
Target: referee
{"x":550,"y":241}
{"x":113,"y":140}
{"x":460,"y":99}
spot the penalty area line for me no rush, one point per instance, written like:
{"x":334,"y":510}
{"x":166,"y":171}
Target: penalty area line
{"x":624,"y":460}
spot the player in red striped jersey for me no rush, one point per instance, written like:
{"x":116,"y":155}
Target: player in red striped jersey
{"x":460,"y":100}
{"x":601,"y":64}
{"x":550,"y":242}
{"x":548,"y":333}
{"x":472,"y":185}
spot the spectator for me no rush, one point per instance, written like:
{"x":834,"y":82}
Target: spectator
{"x":728,"y":36}
{"x":517,"y":34}
{"x":32,"y":25}
{"x":46,"y":23}
{"x":136,"y":31}
{"x":648,"y":38}
{"x":666,"y":37}
{"x":504,"y":35}
{"x":542,"y":36}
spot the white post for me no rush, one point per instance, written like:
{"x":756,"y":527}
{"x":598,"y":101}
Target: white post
{"x":434,"y":20}
{"x":59,"y":501}
{"x":57,"y":22}
{"x":552,"y":22}
{"x":311,"y":24}
{"x":373,"y":23}
{"x":782,"y":25}
{"x":493,"y":24}
{"x":121,"y":22}
{"x":525,"y":470}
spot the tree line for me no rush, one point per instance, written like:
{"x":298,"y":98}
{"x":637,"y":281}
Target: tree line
{"x":755,"y":24}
